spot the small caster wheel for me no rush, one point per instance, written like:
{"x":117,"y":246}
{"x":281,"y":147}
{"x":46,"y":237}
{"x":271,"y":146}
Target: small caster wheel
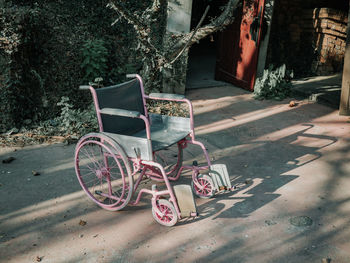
{"x":169,"y":215}
{"x":205,"y":189}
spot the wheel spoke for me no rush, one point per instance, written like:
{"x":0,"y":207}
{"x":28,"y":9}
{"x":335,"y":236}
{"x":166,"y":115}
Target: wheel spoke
{"x":104,"y":177}
{"x":204,"y":186}
{"x":94,"y":162}
{"x":167,"y":215}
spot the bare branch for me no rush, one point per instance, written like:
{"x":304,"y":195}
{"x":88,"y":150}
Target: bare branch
{"x":217,"y":24}
{"x":142,"y":30}
{"x":133,"y":19}
{"x":156,"y":60}
{"x":155,"y":6}
{"x":194,"y":32}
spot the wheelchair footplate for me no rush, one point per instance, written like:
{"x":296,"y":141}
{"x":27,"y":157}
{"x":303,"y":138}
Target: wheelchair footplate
{"x":185,"y":200}
{"x":220,"y":177}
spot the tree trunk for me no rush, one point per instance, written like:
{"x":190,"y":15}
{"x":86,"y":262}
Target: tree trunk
{"x":163,"y":67}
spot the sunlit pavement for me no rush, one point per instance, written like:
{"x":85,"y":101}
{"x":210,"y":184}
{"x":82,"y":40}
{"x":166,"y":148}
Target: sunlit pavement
{"x":291,"y":166}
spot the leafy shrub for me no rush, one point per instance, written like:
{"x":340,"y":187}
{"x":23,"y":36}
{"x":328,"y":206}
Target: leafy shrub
{"x":75,"y":121}
{"x":94,"y":59}
{"x":274,"y":84}
{"x":43,"y":43}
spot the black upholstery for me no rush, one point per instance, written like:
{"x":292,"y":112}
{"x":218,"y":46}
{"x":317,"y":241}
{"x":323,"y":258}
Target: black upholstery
{"x":126,"y":96}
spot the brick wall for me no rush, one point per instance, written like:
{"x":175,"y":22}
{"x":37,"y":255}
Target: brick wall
{"x":309,"y":36}
{"x":330,"y":36}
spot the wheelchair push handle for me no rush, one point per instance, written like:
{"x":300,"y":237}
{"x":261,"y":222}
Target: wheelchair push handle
{"x":84,"y":87}
{"x":131,"y":76}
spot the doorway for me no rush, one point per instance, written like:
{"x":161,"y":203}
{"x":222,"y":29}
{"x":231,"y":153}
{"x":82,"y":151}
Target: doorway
{"x":202,"y":55}
{"x":230,"y":56}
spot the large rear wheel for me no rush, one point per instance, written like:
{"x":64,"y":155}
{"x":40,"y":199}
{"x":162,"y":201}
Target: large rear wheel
{"x":103,"y":171}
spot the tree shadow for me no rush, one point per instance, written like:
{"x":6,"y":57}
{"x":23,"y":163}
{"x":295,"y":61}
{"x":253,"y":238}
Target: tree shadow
{"x":267,"y":151}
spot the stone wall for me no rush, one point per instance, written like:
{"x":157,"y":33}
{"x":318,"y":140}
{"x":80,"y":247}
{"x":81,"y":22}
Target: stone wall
{"x":330,"y":36}
{"x":327,"y":27}
{"x":309,"y":36}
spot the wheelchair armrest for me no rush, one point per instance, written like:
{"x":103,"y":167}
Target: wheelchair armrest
{"x":178,"y":98}
{"x":120,"y":112}
{"x":166,"y":96}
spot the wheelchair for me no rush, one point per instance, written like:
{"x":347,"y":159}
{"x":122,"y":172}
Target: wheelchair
{"x":132,"y":145}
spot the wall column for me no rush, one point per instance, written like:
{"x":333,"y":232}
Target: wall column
{"x":264,"y":43}
{"x":178,"y":22}
{"x":345,"y":90}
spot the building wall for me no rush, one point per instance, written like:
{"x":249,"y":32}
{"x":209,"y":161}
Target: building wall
{"x":178,"y":22}
{"x":308,"y":36}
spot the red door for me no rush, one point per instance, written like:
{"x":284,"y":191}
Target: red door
{"x":238,"y":46}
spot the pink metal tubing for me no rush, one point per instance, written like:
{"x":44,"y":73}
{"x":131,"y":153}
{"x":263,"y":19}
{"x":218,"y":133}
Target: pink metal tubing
{"x":195,"y":172}
{"x":203,"y":148}
{"x":147,"y":191}
{"x":148,"y":129}
{"x":179,"y":153}
{"x":139,"y":180}
{"x":154,"y":194}
{"x":156,"y":176}
{"x":178,"y":174}
{"x":189,"y":106}
{"x":152,"y":172}
{"x":143,"y":94}
{"x":97,"y":108}
{"x":167,"y":183}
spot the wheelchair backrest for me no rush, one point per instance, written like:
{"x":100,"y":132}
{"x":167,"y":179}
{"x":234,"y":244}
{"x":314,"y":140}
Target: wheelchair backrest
{"x":126,"y":96}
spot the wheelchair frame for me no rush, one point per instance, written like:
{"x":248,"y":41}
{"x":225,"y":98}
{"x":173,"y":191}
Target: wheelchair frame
{"x":165,"y":212}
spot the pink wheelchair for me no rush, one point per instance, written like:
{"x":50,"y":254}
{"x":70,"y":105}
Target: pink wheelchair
{"x":133,"y":144}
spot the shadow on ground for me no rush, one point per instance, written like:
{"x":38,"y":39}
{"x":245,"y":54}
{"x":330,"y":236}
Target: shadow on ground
{"x":285,"y":162}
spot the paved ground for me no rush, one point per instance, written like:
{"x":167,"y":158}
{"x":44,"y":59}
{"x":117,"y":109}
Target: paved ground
{"x":296,"y":162}
{"x":323,"y":89}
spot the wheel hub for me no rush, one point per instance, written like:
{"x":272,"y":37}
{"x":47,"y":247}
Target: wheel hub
{"x":103,"y":172}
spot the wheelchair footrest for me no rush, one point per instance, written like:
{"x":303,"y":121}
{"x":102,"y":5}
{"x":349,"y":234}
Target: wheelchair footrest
{"x":185,"y":200}
{"x":220,"y":177}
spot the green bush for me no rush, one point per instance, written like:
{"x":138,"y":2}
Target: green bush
{"x":94,"y":62}
{"x":75,"y":121}
{"x":45,"y":55}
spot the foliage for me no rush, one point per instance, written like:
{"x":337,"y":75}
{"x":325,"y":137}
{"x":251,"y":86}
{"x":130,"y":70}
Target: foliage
{"x":74,"y":121}
{"x":170,"y":108}
{"x":94,"y":56}
{"x":48,"y":48}
{"x":274,"y":84}
{"x":41,"y":46}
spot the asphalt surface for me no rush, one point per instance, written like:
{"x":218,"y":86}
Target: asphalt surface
{"x":291,"y":167}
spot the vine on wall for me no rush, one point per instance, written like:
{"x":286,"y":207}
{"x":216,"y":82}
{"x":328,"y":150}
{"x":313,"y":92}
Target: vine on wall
{"x":42,"y":55}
